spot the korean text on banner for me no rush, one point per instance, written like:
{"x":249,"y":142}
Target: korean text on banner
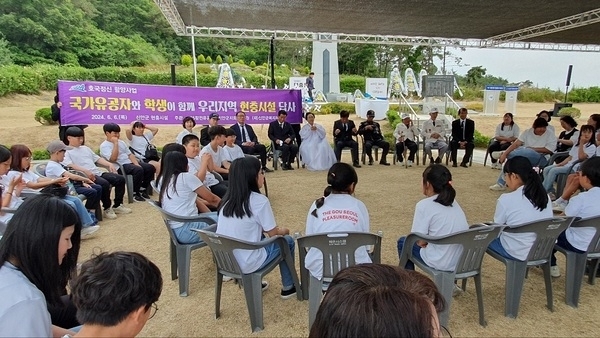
{"x":90,"y":102}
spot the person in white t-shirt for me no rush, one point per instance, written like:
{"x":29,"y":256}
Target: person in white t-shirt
{"x":10,"y":188}
{"x":140,"y":139}
{"x":115,"y":150}
{"x":188,"y":128}
{"x":535,"y":144}
{"x":178,"y":193}
{"x":544,"y":114}
{"x":528,"y":202}
{"x":506,"y":133}
{"x":245,"y":214}
{"x":337,"y":211}
{"x":214,"y":148}
{"x":439,"y":214}
{"x":199,"y":166}
{"x":584,"y":205}
{"x":231,"y":151}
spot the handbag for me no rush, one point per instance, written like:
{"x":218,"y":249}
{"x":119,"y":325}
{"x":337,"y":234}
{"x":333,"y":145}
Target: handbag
{"x":151,"y":153}
{"x":55,"y":190}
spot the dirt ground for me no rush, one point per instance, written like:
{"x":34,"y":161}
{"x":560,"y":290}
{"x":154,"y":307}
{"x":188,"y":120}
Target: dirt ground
{"x":390,"y":194}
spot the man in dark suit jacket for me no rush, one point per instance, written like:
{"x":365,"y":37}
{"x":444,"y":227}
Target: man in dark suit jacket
{"x":247,"y":140}
{"x":463,"y":134}
{"x":282,"y":134}
{"x":343,"y":130}
{"x":213,"y":120}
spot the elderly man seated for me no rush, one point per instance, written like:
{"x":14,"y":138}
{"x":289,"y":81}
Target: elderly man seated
{"x":434,"y":133}
{"x":406,"y":136}
{"x":371,"y":131}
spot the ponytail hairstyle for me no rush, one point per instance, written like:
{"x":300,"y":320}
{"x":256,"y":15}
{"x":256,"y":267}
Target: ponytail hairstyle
{"x":340,"y":178}
{"x":440,"y":179}
{"x":533,"y":188}
{"x":589,"y":128}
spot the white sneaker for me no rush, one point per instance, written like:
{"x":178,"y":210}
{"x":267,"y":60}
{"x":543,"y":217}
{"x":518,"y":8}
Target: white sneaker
{"x":552,"y":196}
{"x":87,"y":231}
{"x":457,"y":291}
{"x":496,"y":165}
{"x":109,"y":213}
{"x":496,"y":154}
{"x":554,"y":271}
{"x":121,"y":209}
{"x":409,"y":163}
{"x":559,"y":206}
{"x":497,"y":187}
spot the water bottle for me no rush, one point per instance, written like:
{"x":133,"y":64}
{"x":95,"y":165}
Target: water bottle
{"x":71,"y":188}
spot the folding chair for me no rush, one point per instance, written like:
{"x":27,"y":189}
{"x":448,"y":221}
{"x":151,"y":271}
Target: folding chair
{"x":546,"y":232}
{"x":277,"y":155}
{"x":374,"y":148}
{"x":576,"y":262}
{"x":338,"y":250}
{"x":180,"y":253}
{"x":487,"y":151}
{"x":449,"y":153}
{"x":223,"y":247}
{"x":474,"y":243}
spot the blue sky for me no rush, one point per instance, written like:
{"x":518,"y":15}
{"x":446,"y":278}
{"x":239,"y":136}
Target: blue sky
{"x":544,"y":68}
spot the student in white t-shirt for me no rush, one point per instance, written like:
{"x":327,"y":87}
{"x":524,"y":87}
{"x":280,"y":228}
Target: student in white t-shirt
{"x":231,"y":151}
{"x":337,"y":211}
{"x":178,"y":193}
{"x":528,"y":202}
{"x":199,"y":166}
{"x":139,"y":139}
{"x":584,"y":205}
{"x":188,"y":128}
{"x":10,"y":188}
{"x":245,"y":214}
{"x":217,"y":139}
{"x":437,"y":215}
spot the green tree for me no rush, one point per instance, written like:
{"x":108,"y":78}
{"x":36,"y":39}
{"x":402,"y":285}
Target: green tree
{"x":208,"y":59}
{"x":186,"y":60}
{"x":252,"y":64}
{"x":219,"y":60}
{"x":5,"y":53}
{"x":230,"y":59}
{"x":475,"y":74}
{"x":201,"y":59}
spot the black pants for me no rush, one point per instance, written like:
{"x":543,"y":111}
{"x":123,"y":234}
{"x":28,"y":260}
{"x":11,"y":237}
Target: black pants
{"x":412,"y":150}
{"x":296,"y":128}
{"x":92,"y":195}
{"x":454,"y":146}
{"x":142,"y":175}
{"x":288,"y":152}
{"x":219,"y":189}
{"x":496,"y":146}
{"x":339,"y":145}
{"x":384,"y":145}
{"x":106,"y":181}
{"x":64,"y":315}
{"x":258,"y":149}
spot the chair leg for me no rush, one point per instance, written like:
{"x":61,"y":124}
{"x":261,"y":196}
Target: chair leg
{"x":253,"y":291}
{"x":218,"y":289}
{"x":513,"y":288}
{"x":314,"y":299}
{"x":593,"y":267}
{"x":479,"y":291}
{"x":304,"y":280}
{"x":129,"y":182}
{"x":574,"y":277}
{"x":445,"y":283}
{"x":183,"y":265}
{"x":548,"y":282}
{"x":266,"y":188}
{"x":173,"y":257}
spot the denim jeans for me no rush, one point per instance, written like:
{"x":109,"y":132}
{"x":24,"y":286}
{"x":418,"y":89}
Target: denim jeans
{"x":273,"y":252}
{"x":563,"y":243}
{"x":416,"y":252}
{"x":533,"y":156}
{"x":550,"y":174}
{"x":84,"y":215}
{"x":185,"y":235}
{"x":496,"y":246}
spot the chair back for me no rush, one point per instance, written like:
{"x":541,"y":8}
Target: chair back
{"x":546,"y":232}
{"x":167,"y":216}
{"x":591,"y":222}
{"x":338,"y":249}
{"x":40,"y":169}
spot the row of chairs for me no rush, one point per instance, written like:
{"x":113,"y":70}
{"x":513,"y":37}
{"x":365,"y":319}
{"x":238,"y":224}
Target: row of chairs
{"x":475,"y":244}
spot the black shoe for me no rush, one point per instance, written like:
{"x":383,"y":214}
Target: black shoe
{"x":145,"y":194}
{"x":370,"y":162}
{"x":431,"y":161}
{"x":384,"y":163}
{"x":454,"y":165}
{"x":289,"y":166}
{"x":285,"y":167}
{"x":464,"y":165}
{"x":138,"y":197}
{"x":267,"y":170}
{"x":288,"y":293}
{"x":438,"y":160}
{"x":356,"y":165}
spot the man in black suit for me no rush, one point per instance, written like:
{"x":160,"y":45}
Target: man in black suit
{"x":463,"y":134}
{"x":247,"y":140}
{"x":343,"y":130}
{"x":371,"y":131}
{"x":213,"y":120}
{"x":282,"y":134}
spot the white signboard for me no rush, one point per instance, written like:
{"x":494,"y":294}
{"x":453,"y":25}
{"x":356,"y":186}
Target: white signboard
{"x":297,"y":82}
{"x":377,"y":87}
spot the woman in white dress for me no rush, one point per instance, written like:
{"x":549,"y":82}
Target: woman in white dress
{"x":315,"y":150}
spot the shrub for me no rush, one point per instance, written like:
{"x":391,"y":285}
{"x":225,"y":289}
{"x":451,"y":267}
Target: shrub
{"x":452,"y":111}
{"x":208,"y":59}
{"x":481,"y":141}
{"x":201,"y":58}
{"x":336,"y":107}
{"x":230,"y":59}
{"x":44,"y":116}
{"x":570,"y":111}
{"x":350,"y":83}
{"x":252,"y":64}
{"x":393,"y":118}
{"x":40,"y":155}
{"x":389,"y":137}
{"x":186,"y":60}
{"x":219,"y":60}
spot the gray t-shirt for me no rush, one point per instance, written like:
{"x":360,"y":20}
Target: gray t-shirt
{"x":310,"y":83}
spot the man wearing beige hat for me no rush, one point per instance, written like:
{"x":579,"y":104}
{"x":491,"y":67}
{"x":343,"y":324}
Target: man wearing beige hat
{"x":434,"y":133}
{"x":406,"y":136}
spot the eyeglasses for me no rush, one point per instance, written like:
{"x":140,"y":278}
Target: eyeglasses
{"x":153,"y":310}
{"x":445,"y":332}
{"x":27,"y":158}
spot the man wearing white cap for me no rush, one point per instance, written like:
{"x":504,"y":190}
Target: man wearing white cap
{"x":434,"y":133}
{"x":406,"y":135}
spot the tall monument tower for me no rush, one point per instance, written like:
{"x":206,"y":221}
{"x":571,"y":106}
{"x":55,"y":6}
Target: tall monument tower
{"x":325,"y":64}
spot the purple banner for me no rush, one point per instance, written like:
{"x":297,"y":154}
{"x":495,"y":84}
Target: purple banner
{"x":88,"y":102}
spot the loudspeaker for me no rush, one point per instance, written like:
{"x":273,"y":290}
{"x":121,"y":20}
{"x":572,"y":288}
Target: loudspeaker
{"x":569,"y":75}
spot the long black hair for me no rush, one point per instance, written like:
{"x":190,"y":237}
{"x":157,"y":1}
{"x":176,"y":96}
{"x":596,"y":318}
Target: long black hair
{"x":174,"y":164}
{"x":440,"y":179}
{"x":512,"y":121}
{"x":4,"y":153}
{"x":169,"y":147}
{"x":243,"y":180}
{"x":31,"y":241}
{"x":590,"y":128}
{"x":339,"y":179}
{"x":533,"y":188}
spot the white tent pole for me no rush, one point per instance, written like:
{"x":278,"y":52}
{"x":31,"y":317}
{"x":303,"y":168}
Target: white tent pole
{"x":194,"y":56}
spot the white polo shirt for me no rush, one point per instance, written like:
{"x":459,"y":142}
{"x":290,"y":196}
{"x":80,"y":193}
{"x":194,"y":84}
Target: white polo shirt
{"x":84,"y":157}
{"x":432,"y":218}
{"x":339,"y":212}
{"x":249,"y":229}
{"x":54,"y":169}
{"x":584,"y":205}
{"x":514,"y":209}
